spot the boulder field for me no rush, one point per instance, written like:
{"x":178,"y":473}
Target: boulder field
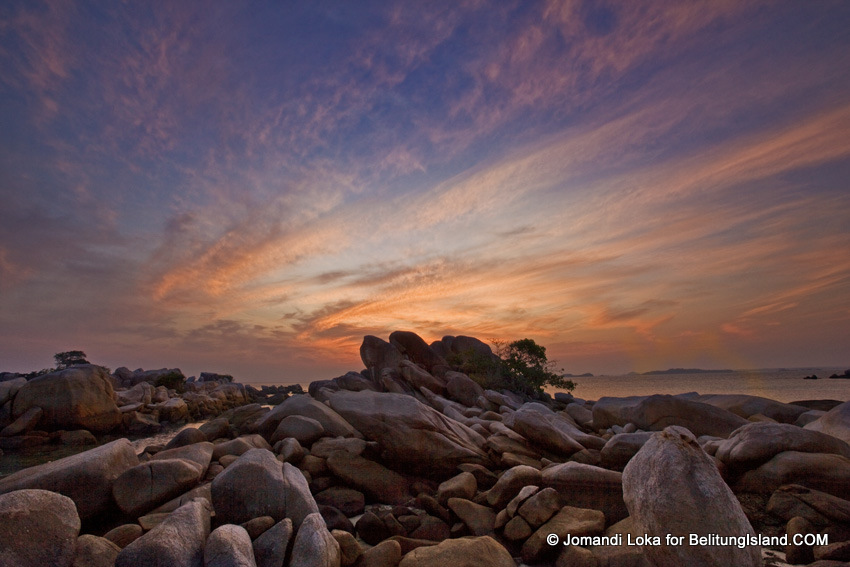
{"x":408,"y":464}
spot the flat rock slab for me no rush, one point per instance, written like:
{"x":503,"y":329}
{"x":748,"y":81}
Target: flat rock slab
{"x":757,"y":443}
{"x":86,"y":477}
{"x":829,"y":473}
{"x":416,"y":438}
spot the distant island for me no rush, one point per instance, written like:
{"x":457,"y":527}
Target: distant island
{"x":684,"y":371}
{"x":585,"y":375}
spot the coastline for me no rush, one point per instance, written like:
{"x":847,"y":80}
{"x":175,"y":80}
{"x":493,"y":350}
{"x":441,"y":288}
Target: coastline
{"x":419,"y":461}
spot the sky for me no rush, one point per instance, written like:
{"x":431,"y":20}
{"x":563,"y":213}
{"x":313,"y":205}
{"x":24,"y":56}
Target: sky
{"x":252,"y":187}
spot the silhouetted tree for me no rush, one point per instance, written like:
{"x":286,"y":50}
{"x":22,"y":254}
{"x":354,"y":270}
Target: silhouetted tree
{"x":525,"y":368}
{"x":69,"y":358}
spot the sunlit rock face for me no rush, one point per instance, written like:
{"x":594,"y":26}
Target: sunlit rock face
{"x":80,"y":397}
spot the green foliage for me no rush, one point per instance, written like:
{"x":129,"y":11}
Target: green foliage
{"x":173,"y":381}
{"x":481,"y":368}
{"x":526,"y":369}
{"x":69,"y":358}
{"x":520,"y":366}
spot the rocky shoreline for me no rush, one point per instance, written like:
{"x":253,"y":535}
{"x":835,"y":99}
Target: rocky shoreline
{"x":412,"y":463}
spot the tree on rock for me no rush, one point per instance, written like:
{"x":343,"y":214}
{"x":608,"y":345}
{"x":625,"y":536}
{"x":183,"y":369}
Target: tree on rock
{"x":69,"y":358}
{"x":526,"y":369}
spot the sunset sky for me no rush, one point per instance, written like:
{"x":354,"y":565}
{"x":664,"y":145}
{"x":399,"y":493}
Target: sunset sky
{"x":251,"y":187}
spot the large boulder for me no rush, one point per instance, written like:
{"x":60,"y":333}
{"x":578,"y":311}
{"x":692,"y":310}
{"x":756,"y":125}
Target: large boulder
{"x":333,"y":424}
{"x":314,"y":545}
{"x":655,"y":413}
{"x":620,"y":448}
{"x":757,"y":443}
{"x":673,"y":487}
{"x":552,"y":431}
{"x":819,"y":508}
{"x":37,"y":528}
{"x":229,"y":546}
{"x":80,"y":397}
{"x":829,"y":473}
{"x":255,"y":485}
{"x":143,"y":487}
{"x":464,"y":552}
{"x":86,"y":477}
{"x":835,"y":422}
{"x":377,"y":354}
{"x":746,"y":406}
{"x":177,"y":542}
{"x":419,"y":378}
{"x":374,"y":479}
{"x":413,"y":437}
{"x":411,"y":345}
{"x":462,"y":345}
{"x":461,"y":388}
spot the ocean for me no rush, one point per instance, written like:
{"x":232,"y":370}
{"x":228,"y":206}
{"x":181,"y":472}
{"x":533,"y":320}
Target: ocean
{"x":783,"y":384}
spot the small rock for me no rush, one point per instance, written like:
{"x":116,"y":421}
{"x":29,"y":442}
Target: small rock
{"x":314,"y":545}
{"x":480,"y":520}
{"x":385,"y":554}
{"x":347,"y":500}
{"x":349,"y":549}
{"x":573,"y":521}
{"x":257,"y":526}
{"x":463,"y":485}
{"x":124,"y":535}
{"x":229,"y":546}
{"x":271,"y":547}
{"x":94,"y":551}
{"x":467,"y":552}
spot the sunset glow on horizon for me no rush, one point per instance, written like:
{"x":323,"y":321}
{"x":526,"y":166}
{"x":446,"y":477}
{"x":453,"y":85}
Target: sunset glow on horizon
{"x":251,"y":188}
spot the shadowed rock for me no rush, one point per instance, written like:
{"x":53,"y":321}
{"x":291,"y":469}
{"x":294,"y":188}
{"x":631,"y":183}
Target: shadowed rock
{"x":177,"y":542}
{"x":413,"y":437}
{"x":86,"y":477}
{"x":37,"y":528}
{"x":672,"y":487}
{"x":80,"y":397}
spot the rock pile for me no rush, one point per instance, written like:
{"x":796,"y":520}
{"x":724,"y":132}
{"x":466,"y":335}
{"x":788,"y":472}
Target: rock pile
{"x":69,"y":406}
{"x":408,"y":464}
